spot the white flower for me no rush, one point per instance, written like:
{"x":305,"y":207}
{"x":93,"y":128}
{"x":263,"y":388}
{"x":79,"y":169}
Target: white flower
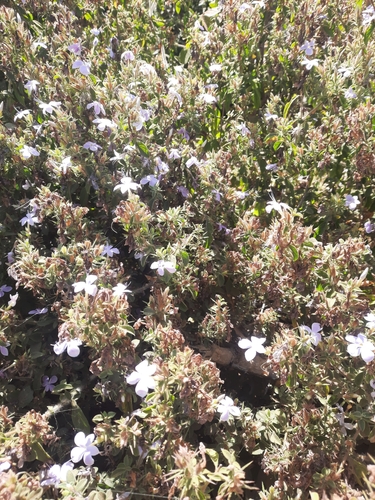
{"x":308,"y":47}
{"x":243,"y":7}
{"x":84,"y":449}
{"x":370,"y":318}
{"x":272,"y":167}
{"x":192,"y":161}
{"x":118,"y":156}
{"x":269,"y":116}
{"x":27,"y":185}
{"x":310,"y":63}
{"x":227,"y":408}
{"x":110,"y":250}
{"x":215,"y":68}
{"x":30,"y":218}
{"x":4,"y":289}
{"x":372,"y":383}
{"x":75,"y":48}
{"x":103,"y":123}
{"x":341,"y":420}
{"x":350,"y":94}
{"x":4,"y":466}
{"x":360,"y":346}
{"x":84,"y":67}
{"x":71,"y":347}
{"x":96,"y":31}
{"x":241,"y":195}
{"x":13,"y":300}
{"x":92,"y":146}
{"x":345,"y":71}
{"x":120,"y":289}
{"x":173,"y":92}
{"x":127,"y":56}
{"x":368,"y":15}
{"x":28,"y":152}
{"x":253,"y":346}
{"x":161,"y":265}
{"x":126,"y":185}
{"x":87,"y":285}
{"x":31,"y":86}
{"x":21,"y":114}
{"x":149,"y":179}
{"x":37,"y":44}
{"x":98,"y":107}
{"x":65,"y":164}
{"x":56,"y":474}
{"x":207,"y":98}
{"x":142,"y":376}
{"x":351,"y":201}
{"x":315,"y":336}
{"x":274,"y":205}
{"x":147,"y":70}
{"x":49,"y":107}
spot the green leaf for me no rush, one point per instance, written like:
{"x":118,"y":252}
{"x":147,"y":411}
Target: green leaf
{"x":214,"y":456}
{"x":294,"y":252}
{"x":143,"y":149}
{"x":40,"y":453}
{"x":288,"y":104}
{"x":79,"y":420}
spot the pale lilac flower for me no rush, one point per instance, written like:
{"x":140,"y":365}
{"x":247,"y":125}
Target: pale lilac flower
{"x":217,"y":194}
{"x":31,"y":86}
{"x":243,"y":7}
{"x":98,"y":107}
{"x":55,"y":474}
{"x":184,"y":132}
{"x":4,"y":466}
{"x":345,"y":71}
{"x":126,"y":185}
{"x":127,"y":56}
{"x":92,"y":146}
{"x":109,"y":250}
{"x":192,"y":161}
{"x":360,"y":345}
{"x":370,"y":318}
{"x":310,"y":63}
{"x":71,"y":347}
{"x":161,"y":265}
{"x":161,"y":166}
{"x":341,"y":420}
{"x":253,"y":346}
{"x":84,"y":67}
{"x":87,"y":285}
{"x":75,"y":48}
{"x":314,"y":331}
{"x":174,"y":154}
{"x":183,"y":190}
{"x":369,"y":227}
{"x":368,"y":15}
{"x":39,"y":311}
{"x":28,"y":152}
{"x":47,"y":382}
{"x":4,"y":289}
{"x":85,"y":449}
{"x":241,"y":195}
{"x":13,"y":300}
{"x":215,"y":68}
{"x":207,"y":98}
{"x":173,"y":92}
{"x":211,"y":86}
{"x":96,"y":31}
{"x":103,"y":123}
{"x":27,"y":185}
{"x":138,"y":255}
{"x":272,"y":167}
{"x":65,"y":164}
{"x":227,"y":408}
{"x":49,"y":107}
{"x":243,"y":129}
{"x":21,"y":114}
{"x":351,"y":201}
{"x":147,"y":70}
{"x":372,"y":383}
{"x":149,"y":179}
{"x":117,"y":157}
{"x":221,"y":227}
{"x":308,"y":47}
{"x":10,"y":257}
{"x":120,"y":289}
{"x":269,"y":116}
{"x":95,"y":42}
{"x":3,"y":349}
{"x":350,"y":94}
{"x":30,"y":218}
{"x":275,"y":205}
{"x":142,"y":378}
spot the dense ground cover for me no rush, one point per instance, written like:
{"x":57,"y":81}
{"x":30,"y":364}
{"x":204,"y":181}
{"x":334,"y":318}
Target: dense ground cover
{"x":187,"y":249}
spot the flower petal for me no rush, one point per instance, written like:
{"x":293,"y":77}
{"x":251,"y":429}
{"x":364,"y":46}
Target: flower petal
{"x":141,"y":388}
{"x":354,"y":350}
{"x":80,"y":439}
{"x":250,"y":354}
{"x":76,"y":454}
{"x":87,"y":458}
{"x":245,"y":344}
{"x":133,"y":378}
